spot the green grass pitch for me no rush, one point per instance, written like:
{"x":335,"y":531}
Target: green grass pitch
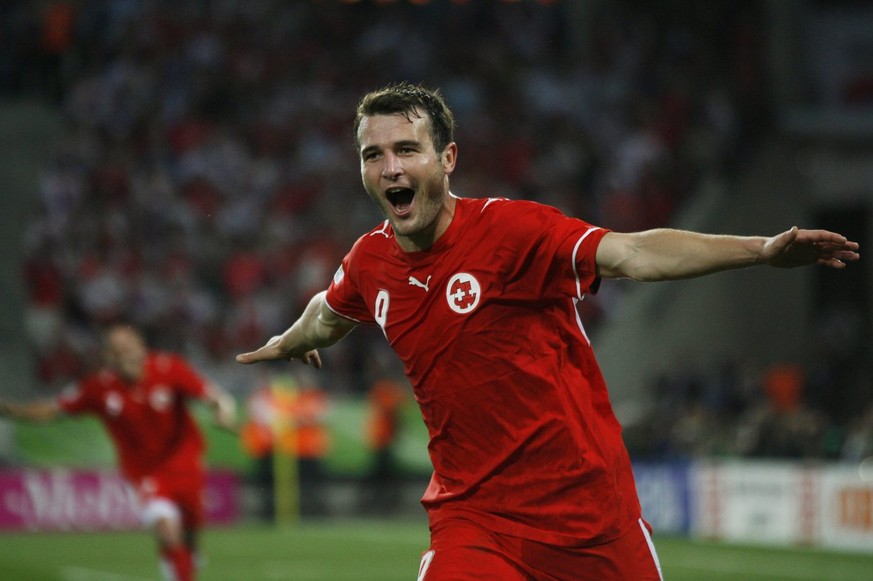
{"x":368,"y":550}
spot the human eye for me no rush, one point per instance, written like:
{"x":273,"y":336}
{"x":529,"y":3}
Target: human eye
{"x":369,"y":155}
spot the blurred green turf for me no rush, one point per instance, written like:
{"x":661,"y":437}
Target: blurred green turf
{"x":369,"y":551}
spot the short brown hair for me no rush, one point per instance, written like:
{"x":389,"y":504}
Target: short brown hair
{"x":410,"y":100}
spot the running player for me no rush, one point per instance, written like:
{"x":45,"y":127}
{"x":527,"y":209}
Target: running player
{"x":141,"y":398}
{"x":478,"y":298}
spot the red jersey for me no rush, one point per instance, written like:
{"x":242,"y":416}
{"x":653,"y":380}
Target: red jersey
{"x":522,"y":434}
{"x":148,"y":422}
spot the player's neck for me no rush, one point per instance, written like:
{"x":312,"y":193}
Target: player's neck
{"x":425,"y":240}
{"x":128,"y":378}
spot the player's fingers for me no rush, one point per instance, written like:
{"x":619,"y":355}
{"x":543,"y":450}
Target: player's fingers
{"x":831,"y":262}
{"x":846,"y":255}
{"x":825,"y":240}
{"x":840,"y":254}
{"x":246,"y":358}
{"x":836,"y":245}
{"x":312,"y":358}
{"x":271,"y":353}
{"x":268,"y":352}
{"x":262,"y":354}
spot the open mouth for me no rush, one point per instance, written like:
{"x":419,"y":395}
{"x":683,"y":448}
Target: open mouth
{"x":400,"y":199}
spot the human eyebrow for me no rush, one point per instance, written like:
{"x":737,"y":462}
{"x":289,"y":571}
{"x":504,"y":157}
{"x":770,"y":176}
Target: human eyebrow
{"x":370,"y":151}
{"x":407,"y":144}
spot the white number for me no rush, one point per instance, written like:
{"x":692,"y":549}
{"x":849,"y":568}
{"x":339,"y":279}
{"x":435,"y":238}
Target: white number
{"x":381,"y":309}
{"x":425,"y":564}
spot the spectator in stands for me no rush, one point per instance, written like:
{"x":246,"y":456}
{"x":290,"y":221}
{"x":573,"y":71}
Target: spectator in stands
{"x":189,"y":162}
{"x":184,"y":132}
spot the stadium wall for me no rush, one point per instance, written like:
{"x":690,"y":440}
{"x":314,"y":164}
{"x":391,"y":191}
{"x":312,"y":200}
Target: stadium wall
{"x":782,"y":504}
{"x":88,"y":500}
{"x":760,"y":502}
{"x":756,"y":316}
{"x":753,"y":502}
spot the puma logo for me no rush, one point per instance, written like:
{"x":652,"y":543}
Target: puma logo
{"x":383,"y":230}
{"x":490,"y":201}
{"x":415,"y":282}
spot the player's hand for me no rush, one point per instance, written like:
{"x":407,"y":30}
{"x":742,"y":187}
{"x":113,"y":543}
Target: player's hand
{"x":796,"y":247}
{"x":230,"y":428}
{"x":225,"y":412}
{"x":275,"y":350}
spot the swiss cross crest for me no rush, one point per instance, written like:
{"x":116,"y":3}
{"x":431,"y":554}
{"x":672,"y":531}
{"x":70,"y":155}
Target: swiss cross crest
{"x":113,"y":403}
{"x":160,"y":399}
{"x":463,"y":293}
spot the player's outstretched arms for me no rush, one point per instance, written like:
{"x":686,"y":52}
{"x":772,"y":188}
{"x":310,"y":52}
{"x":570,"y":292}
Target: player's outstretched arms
{"x":797,"y":247}
{"x":317,"y":327}
{"x":43,"y":410}
{"x":281,"y":347}
{"x":667,"y":254}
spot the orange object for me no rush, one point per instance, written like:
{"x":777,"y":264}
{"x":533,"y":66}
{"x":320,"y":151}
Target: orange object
{"x":257,"y":439}
{"x":783,"y":384}
{"x":292,"y":420}
{"x":386,"y":398}
{"x":58,"y":22}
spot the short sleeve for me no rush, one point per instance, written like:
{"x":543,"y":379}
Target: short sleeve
{"x":75,"y":399}
{"x":181,"y":375}
{"x":554,"y":255}
{"x":583,"y":259}
{"x":344,"y":296}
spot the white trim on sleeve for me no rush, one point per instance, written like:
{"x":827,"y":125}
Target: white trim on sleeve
{"x":579,"y":293}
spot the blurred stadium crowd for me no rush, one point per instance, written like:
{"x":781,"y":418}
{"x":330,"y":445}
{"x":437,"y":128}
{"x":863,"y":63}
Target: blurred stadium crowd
{"x":206,"y":184}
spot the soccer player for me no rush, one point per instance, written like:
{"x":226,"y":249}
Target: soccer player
{"x":141,"y":398}
{"x":478,"y":297}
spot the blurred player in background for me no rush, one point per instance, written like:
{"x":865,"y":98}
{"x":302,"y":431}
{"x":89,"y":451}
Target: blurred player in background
{"x":141,"y":398}
{"x":478,"y":297}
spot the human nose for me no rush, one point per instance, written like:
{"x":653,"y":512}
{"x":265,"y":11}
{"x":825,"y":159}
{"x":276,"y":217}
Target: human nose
{"x":391,"y":168}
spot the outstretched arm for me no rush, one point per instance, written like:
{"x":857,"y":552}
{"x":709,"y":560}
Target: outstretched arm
{"x":43,"y":410}
{"x":665,"y":254}
{"x":317,"y":327}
